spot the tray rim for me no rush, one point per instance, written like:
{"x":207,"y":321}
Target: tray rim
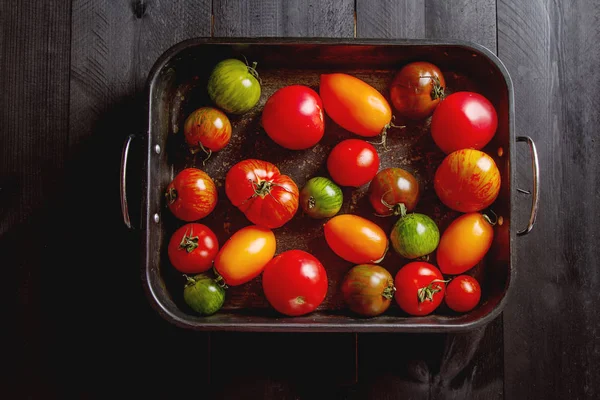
{"x":296,"y":325}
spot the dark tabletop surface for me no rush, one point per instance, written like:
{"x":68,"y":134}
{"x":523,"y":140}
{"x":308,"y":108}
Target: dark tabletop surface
{"x":72,"y":79}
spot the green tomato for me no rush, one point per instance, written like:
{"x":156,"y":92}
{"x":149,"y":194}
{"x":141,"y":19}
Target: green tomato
{"x":233,"y":86}
{"x":203,"y":294}
{"x":321,"y":198}
{"x":414,"y":235}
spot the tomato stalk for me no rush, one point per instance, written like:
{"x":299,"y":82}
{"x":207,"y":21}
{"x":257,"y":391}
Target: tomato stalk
{"x":171,"y":195}
{"x":189,"y":243}
{"x":252,"y":69}
{"x":219,"y":280}
{"x":437,"y":92}
{"x":201,"y":147}
{"x":389,"y":291}
{"x":489,"y":219}
{"x":427,"y":292}
{"x":384,"y":133}
{"x":396,"y":209}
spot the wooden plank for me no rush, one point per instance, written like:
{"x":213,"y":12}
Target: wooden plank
{"x":431,"y":366}
{"x":255,"y":18}
{"x":34,"y":81}
{"x":551,"y":51}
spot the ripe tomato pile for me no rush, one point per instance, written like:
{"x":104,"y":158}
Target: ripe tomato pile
{"x":295,"y":282}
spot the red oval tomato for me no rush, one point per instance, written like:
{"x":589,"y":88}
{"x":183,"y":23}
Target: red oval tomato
{"x":191,"y":195}
{"x":294,"y":283}
{"x":356,"y":239}
{"x":192,"y":248}
{"x":417,"y":89}
{"x":353,"y":162}
{"x":262,"y":193}
{"x":467,"y":180}
{"x":207,"y":128}
{"x":463,"y":120}
{"x":464,"y":243}
{"x":293,"y":117}
{"x":392,"y":187}
{"x":420,"y":288}
{"x":463,"y":293}
{"x":355,"y":105}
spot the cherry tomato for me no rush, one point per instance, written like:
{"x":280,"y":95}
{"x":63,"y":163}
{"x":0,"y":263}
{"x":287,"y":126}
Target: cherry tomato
{"x":467,"y":180}
{"x":417,"y":90}
{"x":294,"y":283}
{"x":321,"y":198}
{"x":293,"y":117}
{"x":192,"y":248}
{"x":464,"y":243}
{"x":463,"y":120}
{"x":353,"y":162}
{"x":414,"y":235}
{"x":463,"y":293}
{"x":392,"y":187}
{"x":420,"y":288}
{"x":356,"y":239}
{"x":208,"y":129}
{"x":262,"y":193}
{"x":368,"y":289}
{"x":245,"y":254}
{"x":191,"y":195}
{"x":355,"y":105}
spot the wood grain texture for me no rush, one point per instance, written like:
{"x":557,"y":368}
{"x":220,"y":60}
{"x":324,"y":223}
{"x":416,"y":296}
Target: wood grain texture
{"x":390,"y":19}
{"x":256,"y":18}
{"x":550,"y":49}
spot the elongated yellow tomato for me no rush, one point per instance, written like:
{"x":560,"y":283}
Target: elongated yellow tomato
{"x":464,"y":243}
{"x":354,"y":104}
{"x":245,"y":254}
{"x":356,"y":239}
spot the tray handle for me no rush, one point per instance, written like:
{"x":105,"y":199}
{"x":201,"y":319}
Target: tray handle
{"x":124,"y":157}
{"x":536,"y":184}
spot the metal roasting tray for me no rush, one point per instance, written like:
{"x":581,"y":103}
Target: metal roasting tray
{"x":176,"y":86}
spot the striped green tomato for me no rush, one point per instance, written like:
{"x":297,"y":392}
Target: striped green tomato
{"x":203,"y":294}
{"x":414,"y":235}
{"x":233,"y":86}
{"x":321,"y":198}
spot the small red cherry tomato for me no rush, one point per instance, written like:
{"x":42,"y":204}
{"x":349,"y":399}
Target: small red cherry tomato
{"x":192,"y":248}
{"x":463,"y":293}
{"x":420,"y":288}
{"x":353,"y":162}
{"x":207,"y":128}
{"x":191,"y":195}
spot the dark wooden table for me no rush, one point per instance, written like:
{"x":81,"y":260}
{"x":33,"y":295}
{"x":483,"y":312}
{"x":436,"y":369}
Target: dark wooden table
{"x":72,"y":78}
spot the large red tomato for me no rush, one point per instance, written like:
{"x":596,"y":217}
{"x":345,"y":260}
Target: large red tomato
{"x":420,"y":288}
{"x":463,"y":120}
{"x":293,"y":117}
{"x":417,"y":89}
{"x":262,"y":193}
{"x":191,"y":195}
{"x":294,"y":283}
{"x":353,"y":162}
{"x":192,"y":248}
{"x":467,"y":180}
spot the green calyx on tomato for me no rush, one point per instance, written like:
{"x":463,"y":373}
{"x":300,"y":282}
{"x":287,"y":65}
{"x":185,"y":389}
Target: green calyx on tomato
{"x":189,"y":243}
{"x":321,"y":198}
{"x":437,"y":92}
{"x":414,"y":235}
{"x":427,"y":292}
{"x":203,"y":295}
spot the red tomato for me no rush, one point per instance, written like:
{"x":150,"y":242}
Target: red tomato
{"x":463,"y":293}
{"x":353,"y":162}
{"x":420,"y":288}
{"x":392,"y":187}
{"x":467,"y":180}
{"x":463,"y":120}
{"x":417,"y":89}
{"x":191,"y":195}
{"x":464,"y":243}
{"x":192,"y":248}
{"x":294,"y":283}
{"x":355,"y":105}
{"x":207,"y":128}
{"x":356,"y":239}
{"x":258,"y":189}
{"x":293,"y":117}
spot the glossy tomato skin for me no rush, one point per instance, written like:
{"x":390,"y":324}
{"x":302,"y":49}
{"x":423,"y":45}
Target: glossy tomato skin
{"x":192,"y":248}
{"x":415,"y":235}
{"x":467,"y":180}
{"x":392,"y":187}
{"x":463,"y":293}
{"x":464,"y":243}
{"x":294,"y":283}
{"x":207,"y":127}
{"x":353,"y":162}
{"x":321,"y":198}
{"x":233,"y":86}
{"x":203,"y":294}
{"x":420,"y":288}
{"x":191,"y":195}
{"x":417,"y":89}
{"x":354,"y":105}
{"x":245,"y":254}
{"x":463,"y":120}
{"x":368,"y":290}
{"x":356,"y":239}
{"x":262,"y":193}
{"x":293,"y":117}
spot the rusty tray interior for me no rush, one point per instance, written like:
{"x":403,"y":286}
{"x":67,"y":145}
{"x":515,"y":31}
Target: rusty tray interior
{"x":177,"y":86}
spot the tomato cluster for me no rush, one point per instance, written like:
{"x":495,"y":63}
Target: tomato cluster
{"x":295,"y":282}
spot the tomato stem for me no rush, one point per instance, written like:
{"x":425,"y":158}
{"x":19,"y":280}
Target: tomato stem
{"x":171,"y":195}
{"x":427,"y":292}
{"x":208,"y":153}
{"x":219,"y":280}
{"x":190,"y":281}
{"x":189,"y":243}
{"x":438,"y":91}
{"x":488,"y":219}
{"x":389,"y":291}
